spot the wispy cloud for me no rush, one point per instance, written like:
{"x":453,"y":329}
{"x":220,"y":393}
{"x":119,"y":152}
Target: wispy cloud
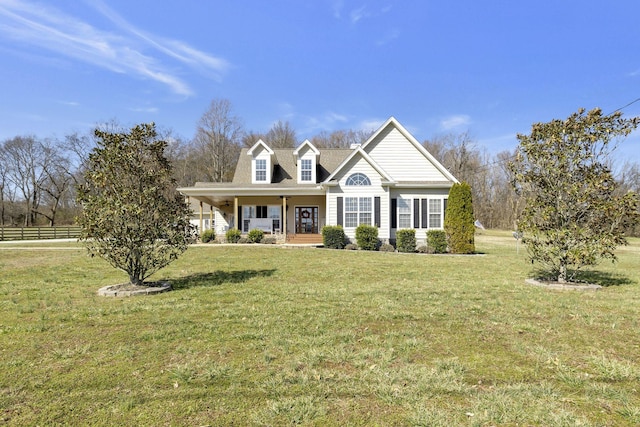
{"x":128,"y":52}
{"x":357,"y":14}
{"x":455,"y":121}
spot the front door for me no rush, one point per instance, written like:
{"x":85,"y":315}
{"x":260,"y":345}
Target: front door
{"x":307,"y":220}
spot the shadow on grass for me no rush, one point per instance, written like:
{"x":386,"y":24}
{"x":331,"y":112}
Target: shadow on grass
{"x":218,"y":278}
{"x":602,"y":278}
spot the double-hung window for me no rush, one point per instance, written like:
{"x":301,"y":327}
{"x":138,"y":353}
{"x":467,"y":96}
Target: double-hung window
{"x":435,"y":213}
{"x":404,"y":213}
{"x":305,"y":170}
{"x":261,"y":169}
{"x":357,"y":210}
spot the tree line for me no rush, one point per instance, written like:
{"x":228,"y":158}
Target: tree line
{"x":39,"y":178}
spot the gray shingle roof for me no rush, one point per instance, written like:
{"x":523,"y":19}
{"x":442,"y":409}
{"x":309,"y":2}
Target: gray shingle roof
{"x":285,"y":171}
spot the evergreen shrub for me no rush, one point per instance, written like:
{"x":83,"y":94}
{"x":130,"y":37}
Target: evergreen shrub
{"x":406,"y":240}
{"x":233,"y":235}
{"x":367,"y":237}
{"x":333,"y":237}
{"x":458,"y":220}
{"x":255,"y":235}
{"x":436,"y":242}
{"x":208,"y":236}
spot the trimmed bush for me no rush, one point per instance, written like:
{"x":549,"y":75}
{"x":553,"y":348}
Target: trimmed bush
{"x":387,"y":248}
{"x":208,"y":236}
{"x":233,"y":235}
{"x":255,"y":235}
{"x":406,"y":240}
{"x":333,"y":237}
{"x":367,"y":237}
{"x":436,"y":242}
{"x":458,"y":220}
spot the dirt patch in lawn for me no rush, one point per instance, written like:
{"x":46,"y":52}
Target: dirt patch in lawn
{"x":128,"y":290}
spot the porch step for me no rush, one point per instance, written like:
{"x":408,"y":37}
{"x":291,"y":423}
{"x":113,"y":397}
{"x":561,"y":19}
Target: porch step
{"x":304,"y":239}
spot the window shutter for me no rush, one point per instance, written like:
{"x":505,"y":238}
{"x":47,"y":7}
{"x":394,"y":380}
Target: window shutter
{"x":394,"y":213}
{"x":239,"y":221}
{"x":425,"y":213}
{"x":444,"y":211}
{"x":339,"y":219}
{"x":376,"y":211}
{"x":416,"y":213}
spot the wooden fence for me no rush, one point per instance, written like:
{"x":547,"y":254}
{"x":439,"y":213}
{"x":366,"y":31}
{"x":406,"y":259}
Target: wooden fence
{"x":38,"y":233}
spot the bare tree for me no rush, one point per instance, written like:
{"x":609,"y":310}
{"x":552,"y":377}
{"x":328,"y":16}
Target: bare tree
{"x":29,"y":159}
{"x":216,"y":145}
{"x":281,"y":135}
{"x":340,"y":138}
{"x":250,"y":138}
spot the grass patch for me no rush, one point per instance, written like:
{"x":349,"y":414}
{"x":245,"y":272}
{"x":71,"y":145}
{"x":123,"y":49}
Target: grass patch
{"x":265,"y":335}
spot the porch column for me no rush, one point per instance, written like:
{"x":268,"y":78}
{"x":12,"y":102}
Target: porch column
{"x":284,"y":217}
{"x":200,"y":227}
{"x":235,"y":213}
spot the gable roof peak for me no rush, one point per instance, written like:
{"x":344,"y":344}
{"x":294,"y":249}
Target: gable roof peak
{"x":260,"y":143}
{"x":306,"y":143}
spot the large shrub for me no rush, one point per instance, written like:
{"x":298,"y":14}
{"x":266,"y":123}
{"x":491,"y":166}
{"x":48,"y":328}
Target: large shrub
{"x":132,"y":216}
{"x":458,"y":220}
{"x":367,"y":237}
{"x":406,"y":240}
{"x":436,"y":241}
{"x":233,"y":235}
{"x":333,"y":237}
{"x":255,"y":235}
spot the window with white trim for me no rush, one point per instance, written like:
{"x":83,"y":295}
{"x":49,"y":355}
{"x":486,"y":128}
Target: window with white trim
{"x":435,"y":213}
{"x":357,"y":210}
{"x":358,"y":179}
{"x":261,"y":169}
{"x":305,"y":170}
{"x":404,"y":213}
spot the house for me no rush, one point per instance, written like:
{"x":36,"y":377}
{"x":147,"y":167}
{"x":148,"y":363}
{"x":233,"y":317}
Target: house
{"x":390,"y":181}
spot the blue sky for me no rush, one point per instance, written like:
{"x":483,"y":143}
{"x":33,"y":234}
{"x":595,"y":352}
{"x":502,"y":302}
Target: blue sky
{"x":488,"y":67}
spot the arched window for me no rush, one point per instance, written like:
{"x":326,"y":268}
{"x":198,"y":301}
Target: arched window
{"x":358,"y":179}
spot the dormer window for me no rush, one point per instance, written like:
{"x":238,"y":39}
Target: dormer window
{"x":261,"y":170}
{"x":305,"y":171}
{"x":307,"y":157}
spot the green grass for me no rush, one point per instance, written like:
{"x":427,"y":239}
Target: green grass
{"x":264,"y":335}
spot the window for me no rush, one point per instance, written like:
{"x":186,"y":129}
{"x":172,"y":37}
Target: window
{"x":261,"y":169}
{"x":435,"y":213}
{"x":305,"y":170}
{"x":358,"y":179}
{"x":404,"y":213}
{"x":357,"y":210}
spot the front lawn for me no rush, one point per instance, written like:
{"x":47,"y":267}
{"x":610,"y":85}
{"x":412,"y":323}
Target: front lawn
{"x":264,"y":335}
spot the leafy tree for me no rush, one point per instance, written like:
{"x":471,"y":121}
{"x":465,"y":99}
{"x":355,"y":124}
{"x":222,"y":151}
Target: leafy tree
{"x":458,"y":220}
{"x":572,"y":215}
{"x":132,"y":216}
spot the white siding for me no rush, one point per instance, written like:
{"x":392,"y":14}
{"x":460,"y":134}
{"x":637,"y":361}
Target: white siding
{"x":358,"y":164}
{"x":398,"y":157}
{"x":420,"y":194}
